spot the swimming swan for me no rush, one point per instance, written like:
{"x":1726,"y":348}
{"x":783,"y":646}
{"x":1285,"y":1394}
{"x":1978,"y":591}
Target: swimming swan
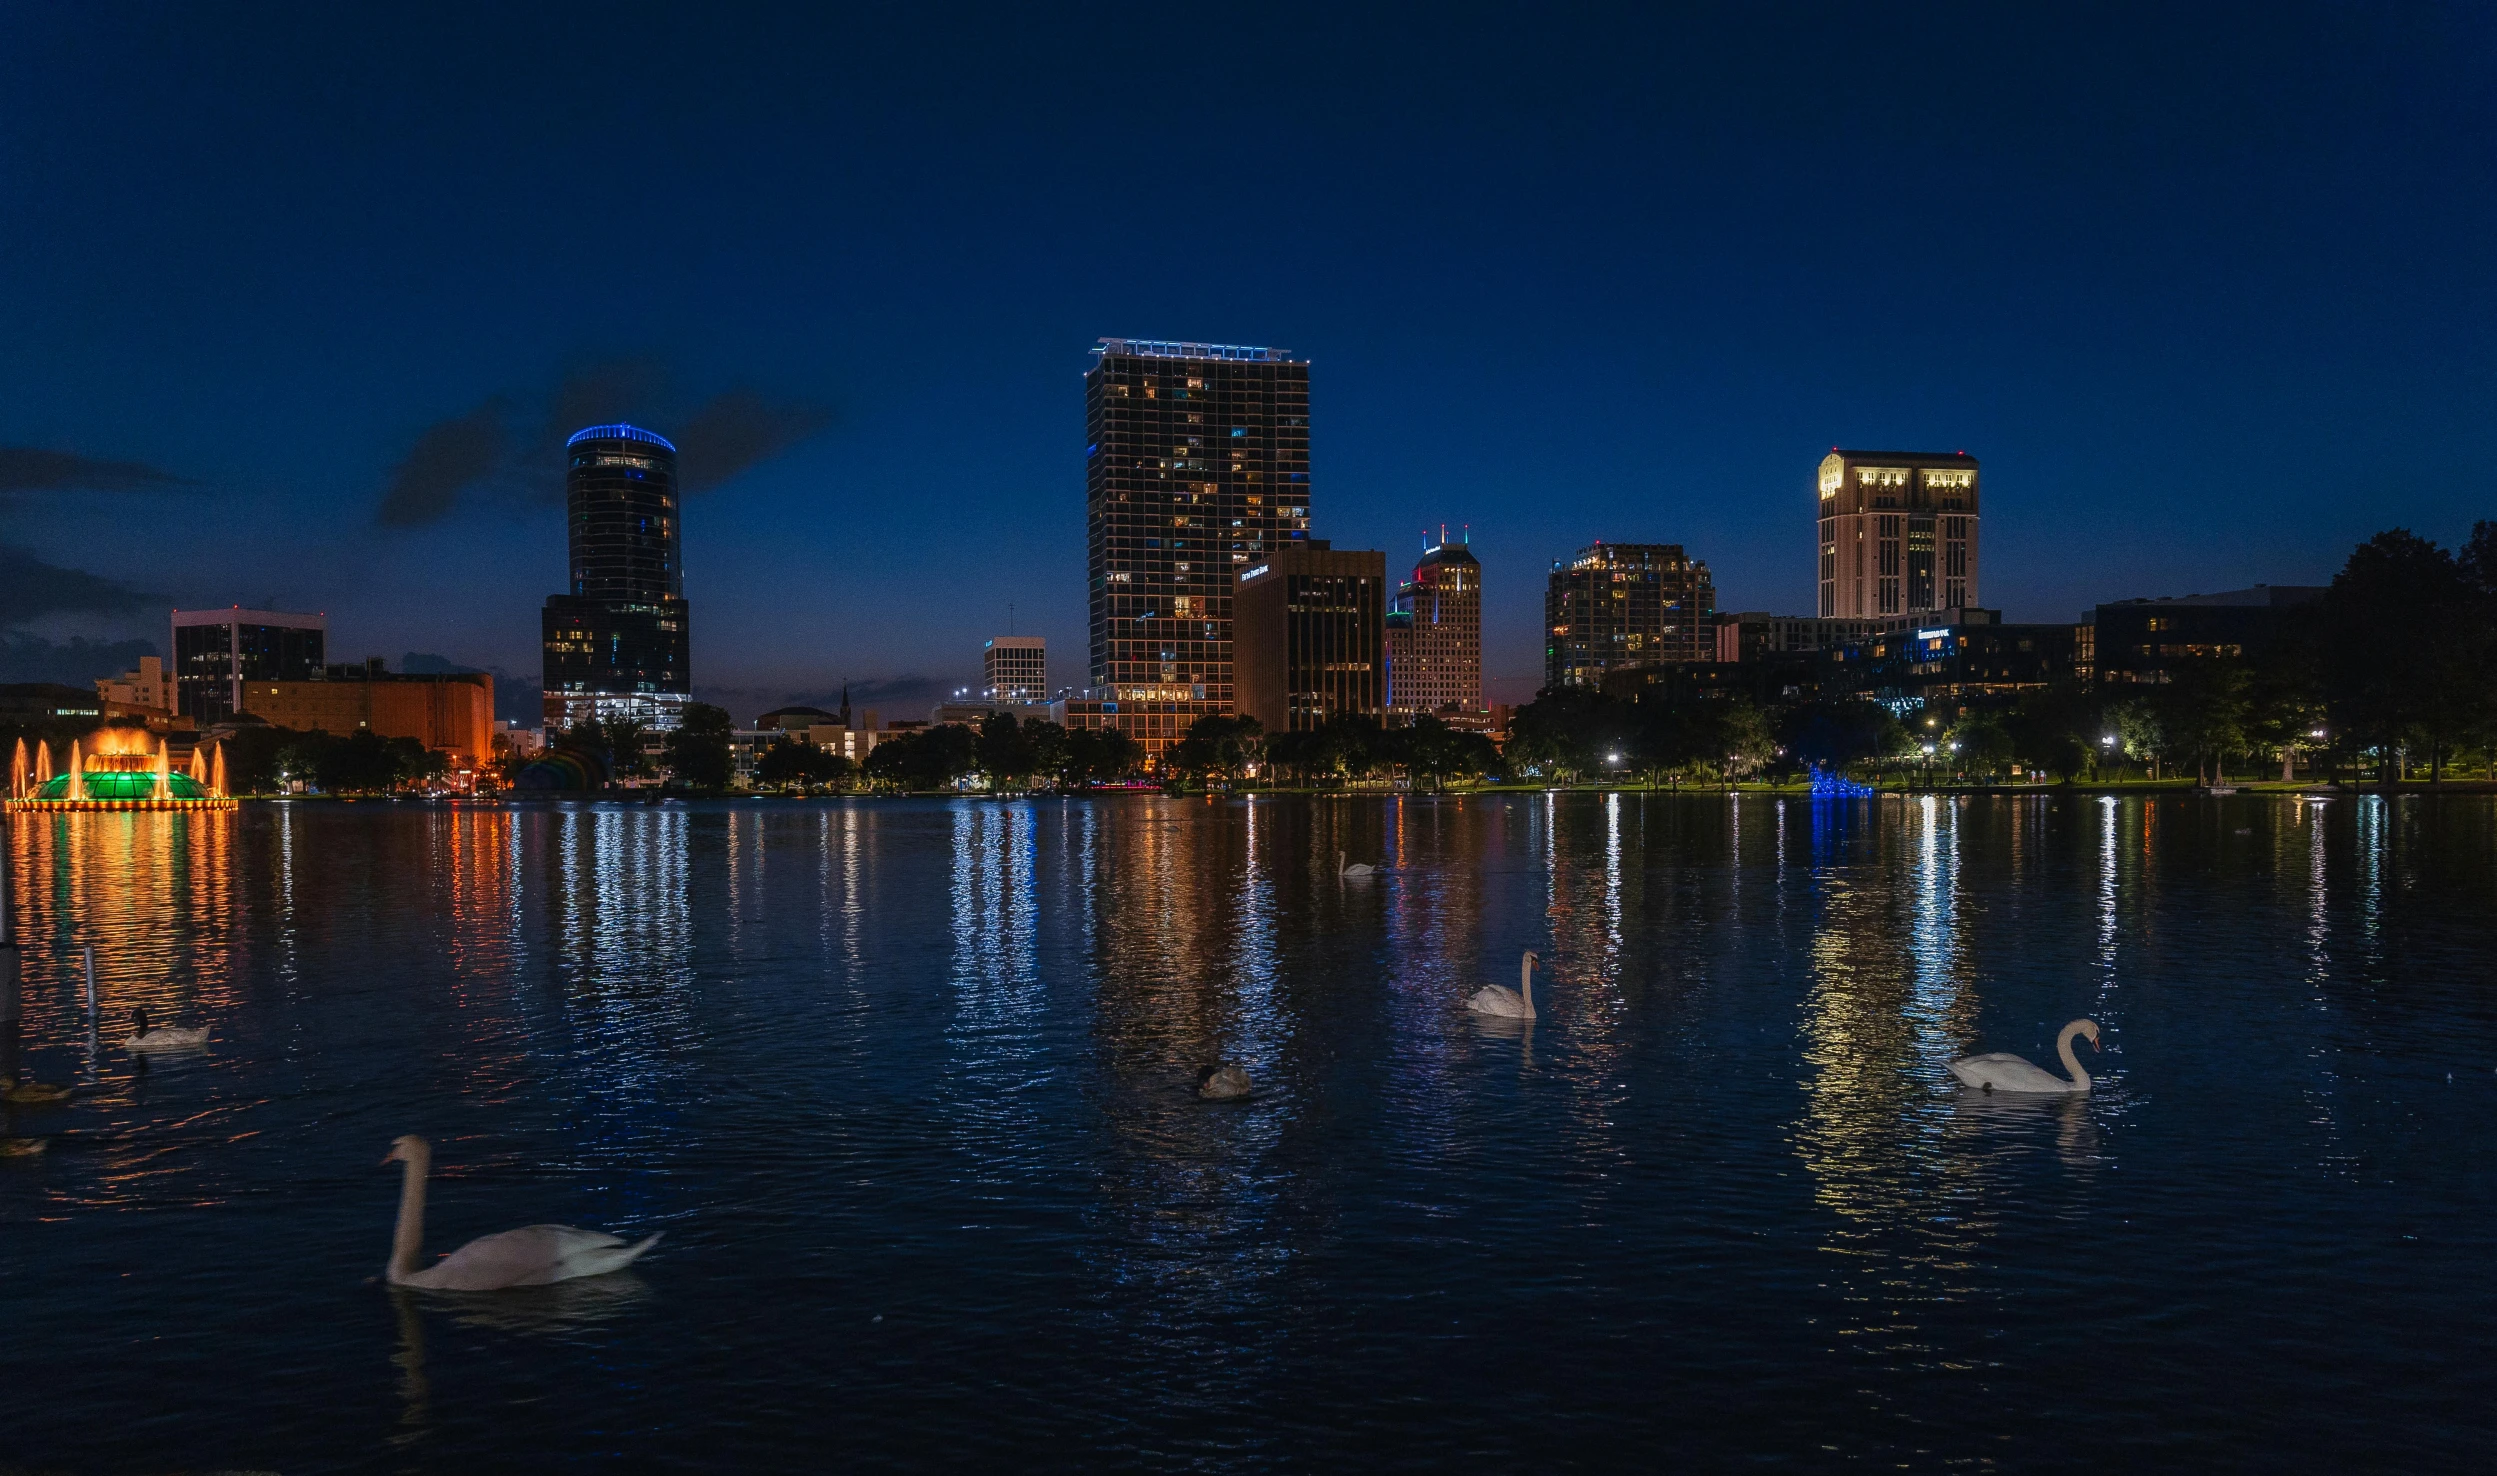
{"x":1356,"y":871}
{"x":1517,"y":1004}
{"x":2007,"y":1073}
{"x":533,"y":1255}
{"x":163,"y":1037}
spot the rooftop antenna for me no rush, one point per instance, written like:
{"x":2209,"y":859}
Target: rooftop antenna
{"x":1469,"y":533}
{"x":1010,"y":617}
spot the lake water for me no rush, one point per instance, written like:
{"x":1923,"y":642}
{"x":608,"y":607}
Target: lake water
{"x":908,"y":1085}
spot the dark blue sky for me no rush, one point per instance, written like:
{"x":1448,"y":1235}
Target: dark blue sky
{"x":2208,"y":290}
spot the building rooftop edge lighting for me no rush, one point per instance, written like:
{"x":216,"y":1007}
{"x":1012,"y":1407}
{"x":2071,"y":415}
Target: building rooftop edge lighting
{"x":1155,"y":348}
{"x":1902,"y":455}
{"x":619,"y":432}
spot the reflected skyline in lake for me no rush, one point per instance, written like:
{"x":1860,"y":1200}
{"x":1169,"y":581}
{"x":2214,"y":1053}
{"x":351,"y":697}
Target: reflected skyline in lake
{"x":909,"y":1087}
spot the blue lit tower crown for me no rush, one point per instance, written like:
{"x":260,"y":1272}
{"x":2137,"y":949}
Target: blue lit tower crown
{"x":616,"y":641}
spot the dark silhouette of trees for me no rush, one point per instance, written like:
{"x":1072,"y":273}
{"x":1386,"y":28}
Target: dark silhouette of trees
{"x":1217,"y":750}
{"x":2403,"y":647}
{"x":698,"y":751}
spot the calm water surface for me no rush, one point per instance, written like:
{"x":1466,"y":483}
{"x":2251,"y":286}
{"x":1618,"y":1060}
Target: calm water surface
{"x":908,"y":1086}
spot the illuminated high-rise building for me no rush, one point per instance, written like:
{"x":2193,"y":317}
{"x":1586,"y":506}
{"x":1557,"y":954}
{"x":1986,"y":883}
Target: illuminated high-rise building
{"x":1196,"y":466}
{"x":616,"y":642}
{"x":1626,"y":604}
{"x":1896,"y":533}
{"x":1435,"y":633}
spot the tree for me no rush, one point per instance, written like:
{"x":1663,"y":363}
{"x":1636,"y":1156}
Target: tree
{"x":2053,"y":728}
{"x":2202,"y":711}
{"x":1566,"y":731}
{"x":1098,"y":756}
{"x":928,"y":758}
{"x":1981,"y":745}
{"x":1837,"y":735}
{"x":1217,"y":749}
{"x":1006,"y":753}
{"x":698,"y":751}
{"x":1744,"y":743}
{"x":2139,"y":732}
{"x":2404,"y":647}
{"x":786,"y":763}
{"x":1433,"y":752}
{"x":624,"y":745}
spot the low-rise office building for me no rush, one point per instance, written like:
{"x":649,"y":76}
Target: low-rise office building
{"x":1753,"y":634}
{"x":1308,"y":636}
{"x":2142,"y":640}
{"x":1971,"y":653}
{"x":449,"y":712}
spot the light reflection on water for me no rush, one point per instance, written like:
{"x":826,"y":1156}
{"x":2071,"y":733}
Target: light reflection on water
{"x":909,"y":1087}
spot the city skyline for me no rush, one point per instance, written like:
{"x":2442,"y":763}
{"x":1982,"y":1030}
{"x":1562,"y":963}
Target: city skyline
{"x":2151,"y":367}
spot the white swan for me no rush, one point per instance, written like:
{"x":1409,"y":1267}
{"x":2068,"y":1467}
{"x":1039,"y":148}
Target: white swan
{"x":163,"y":1037}
{"x":533,"y":1255}
{"x":2008,"y":1073}
{"x":1356,"y":871}
{"x":1516,"y":1004}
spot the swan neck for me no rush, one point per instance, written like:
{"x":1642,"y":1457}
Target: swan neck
{"x":1526,"y":983}
{"x":2071,"y":1062}
{"x":410,"y":1236}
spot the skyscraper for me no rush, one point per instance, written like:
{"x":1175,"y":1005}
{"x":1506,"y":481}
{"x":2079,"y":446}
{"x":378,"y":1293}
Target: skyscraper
{"x":1897,"y":533}
{"x":1196,"y":466}
{"x":1435,"y":633}
{"x":616,"y":643}
{"x":1308,"y":636}
{"x":1626,"y":604}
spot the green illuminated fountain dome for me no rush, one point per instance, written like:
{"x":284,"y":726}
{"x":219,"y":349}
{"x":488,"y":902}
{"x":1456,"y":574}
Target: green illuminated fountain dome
{"x":124,"y":784}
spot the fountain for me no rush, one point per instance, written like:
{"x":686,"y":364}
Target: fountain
{"x":117,"y":769}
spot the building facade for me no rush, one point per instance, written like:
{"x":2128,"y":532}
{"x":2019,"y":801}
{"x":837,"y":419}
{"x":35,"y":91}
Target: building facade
{"x":451,"y":713}
{"x":2143,"y":640}
{"x":216,"y":651}
{"x":1015,"y":669}
{"x":1435,"y":634}
{"x":1196,"y":465}
{"x":1896,"y":533}
{"x":1626,"y":604}
{"x":1971,"y":654}
{"x":1752,"y":635}
{"x":147,"y":692}
{"x":1310,"y":627}
{"x":617,"y":642}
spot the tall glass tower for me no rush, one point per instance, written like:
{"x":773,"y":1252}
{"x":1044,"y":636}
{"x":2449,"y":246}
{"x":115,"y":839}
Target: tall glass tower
{"x":1196,"y":467}
{"x":616,"y":642}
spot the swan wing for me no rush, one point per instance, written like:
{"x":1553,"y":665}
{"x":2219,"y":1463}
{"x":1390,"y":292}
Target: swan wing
{"x":1491,"y":999}
{"x":2003,"y":1072}
{"x":533,"y":1255}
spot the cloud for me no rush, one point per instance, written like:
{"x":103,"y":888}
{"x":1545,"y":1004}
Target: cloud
{"x":599,"y":393}
{"x":33,"y":469}
{"x":449,"y":457}
{"x":31,"y":588}
{"x":737,"y":430}
{"x":75,"y":662}
{"x":495,"y":451}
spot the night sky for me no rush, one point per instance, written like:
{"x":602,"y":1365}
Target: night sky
{"x":296,"y":305}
